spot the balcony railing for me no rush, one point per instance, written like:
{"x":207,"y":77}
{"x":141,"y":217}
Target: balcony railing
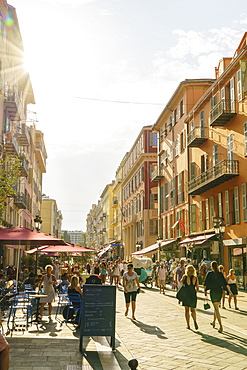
{"x":12,"y":101}
{"x":11,"y":145}
{"x":222,"y":112}
{"x":22,"y":135}
{"x":20,"y":201}
{"x":197,"y":136}
{"x":24,"y":167}
{"x":157,"y":174}
{"x":221,"y":172}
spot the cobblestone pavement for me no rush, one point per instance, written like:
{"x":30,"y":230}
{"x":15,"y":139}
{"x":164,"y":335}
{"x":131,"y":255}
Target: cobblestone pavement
{"x":158,"y":339}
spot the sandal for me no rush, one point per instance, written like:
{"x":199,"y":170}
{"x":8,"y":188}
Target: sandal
{"x":213,"y":324}
{"x":220,"y":330}
{"x":196,"y":325}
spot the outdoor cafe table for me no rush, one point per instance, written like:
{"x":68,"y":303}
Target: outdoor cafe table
{"x":37,"y":297}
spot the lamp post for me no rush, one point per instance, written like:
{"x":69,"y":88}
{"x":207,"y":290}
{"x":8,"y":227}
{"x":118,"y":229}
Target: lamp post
{"x":219,"y":228}
{"x":37,"y":224}
{"x":159,"y":240}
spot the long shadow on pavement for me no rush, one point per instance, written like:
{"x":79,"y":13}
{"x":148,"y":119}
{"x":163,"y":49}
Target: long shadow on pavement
{"x":150,"y":329}
{"x":239,"y":347}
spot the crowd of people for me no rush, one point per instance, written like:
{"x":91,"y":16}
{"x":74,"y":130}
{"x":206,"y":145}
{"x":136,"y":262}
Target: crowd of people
{"x":180,"y":275}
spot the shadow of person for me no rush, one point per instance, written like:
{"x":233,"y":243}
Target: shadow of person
{"x":48,"y":328}
{"x":227,"y":340}
{"x":150,"y":329}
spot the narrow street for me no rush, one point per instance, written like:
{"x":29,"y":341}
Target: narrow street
{"x":158,"y":339}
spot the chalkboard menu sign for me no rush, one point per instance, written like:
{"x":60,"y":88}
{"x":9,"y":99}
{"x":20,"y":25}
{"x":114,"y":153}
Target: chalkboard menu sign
{"x":98,"y":312}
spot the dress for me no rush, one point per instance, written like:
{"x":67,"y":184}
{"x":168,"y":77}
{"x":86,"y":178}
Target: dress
{"x":216,"y":282}
{"x":48,"y":289}
{"x":233,"y":286}
{"x":191,"y":297}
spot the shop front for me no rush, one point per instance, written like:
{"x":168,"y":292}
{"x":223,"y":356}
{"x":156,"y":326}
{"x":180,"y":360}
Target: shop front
{"x":237,"y":259}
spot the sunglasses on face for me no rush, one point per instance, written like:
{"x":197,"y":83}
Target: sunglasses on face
{"x":129,"y":268}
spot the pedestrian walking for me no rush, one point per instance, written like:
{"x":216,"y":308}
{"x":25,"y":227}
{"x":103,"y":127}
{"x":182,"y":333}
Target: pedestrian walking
{"x":103,"y":273}
{"x":131,"y":288}
{"x":215,"y":282}
{"x":110,"y":272}
{"x":161,"y":272}
{"x":116,"y":273}
{"x":154,"y":273}
{"x":48,"y":281}
{"x":232,"y":281}
{"x":191,"y":285}
{"x":221,"y":269}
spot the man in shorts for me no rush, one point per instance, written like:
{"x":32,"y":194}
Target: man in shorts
{"x":4,"y":353}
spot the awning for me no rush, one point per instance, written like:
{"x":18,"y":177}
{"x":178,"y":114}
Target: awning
{"x":104,"y":250}
{"x":196,"y":240}
{"x":152,"y":248}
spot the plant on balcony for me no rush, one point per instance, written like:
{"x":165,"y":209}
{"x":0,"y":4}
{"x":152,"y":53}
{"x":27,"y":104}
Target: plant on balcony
{"x":9,"y":175}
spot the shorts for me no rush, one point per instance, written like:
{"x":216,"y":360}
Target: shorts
{"x":129,"y":295}
{"x":162,"y":282}
{"x":3,"y":343}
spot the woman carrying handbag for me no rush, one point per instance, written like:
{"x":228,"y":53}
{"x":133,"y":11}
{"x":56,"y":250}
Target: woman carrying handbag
{"x":187,"y":294}
{"x":216,"y":282}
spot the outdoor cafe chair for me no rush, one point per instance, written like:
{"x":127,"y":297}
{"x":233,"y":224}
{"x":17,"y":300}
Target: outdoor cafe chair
{"x":75,"y":303}
{"x":20,"y":312}
{"x":63,"y":301}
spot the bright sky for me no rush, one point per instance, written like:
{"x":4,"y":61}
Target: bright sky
{"x":112,"y":50}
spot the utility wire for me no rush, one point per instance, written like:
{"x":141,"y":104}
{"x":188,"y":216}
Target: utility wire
{"x":117,"y":101}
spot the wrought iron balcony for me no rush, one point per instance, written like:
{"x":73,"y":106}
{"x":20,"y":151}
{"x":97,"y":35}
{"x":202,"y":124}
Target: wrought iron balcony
{"x":20,"y":201}
{"x":11,"y":145}
{"x":222,"y":112}
{"x":221,"y":172}
{"x":24,"y":167}
{"x":22,"y":135}
{"x":12,"y":102}
{"x":197,"y":136}
{"x":157,"y":174}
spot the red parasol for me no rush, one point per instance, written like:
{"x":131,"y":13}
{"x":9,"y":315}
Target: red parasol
{"x":25,"y":236}
{"x":67,"y":248}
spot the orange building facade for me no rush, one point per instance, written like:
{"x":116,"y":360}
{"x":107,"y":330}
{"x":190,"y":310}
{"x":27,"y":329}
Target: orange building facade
{"x":172,"y":168}
{"x":217,"y":151}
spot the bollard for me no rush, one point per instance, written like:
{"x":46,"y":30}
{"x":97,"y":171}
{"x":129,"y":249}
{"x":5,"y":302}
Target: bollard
{"x":133,"y":364}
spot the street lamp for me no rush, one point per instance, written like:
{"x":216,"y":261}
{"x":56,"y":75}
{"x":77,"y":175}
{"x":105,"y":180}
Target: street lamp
{"x":37,"y":224}
{"x":219,"y":228}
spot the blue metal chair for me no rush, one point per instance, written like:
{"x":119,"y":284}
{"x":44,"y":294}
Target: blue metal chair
{"x":20,"y":313}
{"x":63,"y":301}
{"x":75,"y":303}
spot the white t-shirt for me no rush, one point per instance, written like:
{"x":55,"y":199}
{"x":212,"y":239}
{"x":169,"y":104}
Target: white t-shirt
{"x":130,"y":282}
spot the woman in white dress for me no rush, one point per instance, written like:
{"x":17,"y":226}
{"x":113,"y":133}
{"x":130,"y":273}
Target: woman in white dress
{"x":48,"y":281}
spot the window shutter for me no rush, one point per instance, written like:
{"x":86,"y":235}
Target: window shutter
{"x":245,"y":138}
{"x":220,"y":205}
{"x":192,"y":217}
{"x":239,"y":85}
{"x":227,"y":207}
{"x":207,"y":213}
{"x":166,"y":196}
{"x":236,"y":205}
{"x":244,"y":202}
{"x":232,"y":94}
